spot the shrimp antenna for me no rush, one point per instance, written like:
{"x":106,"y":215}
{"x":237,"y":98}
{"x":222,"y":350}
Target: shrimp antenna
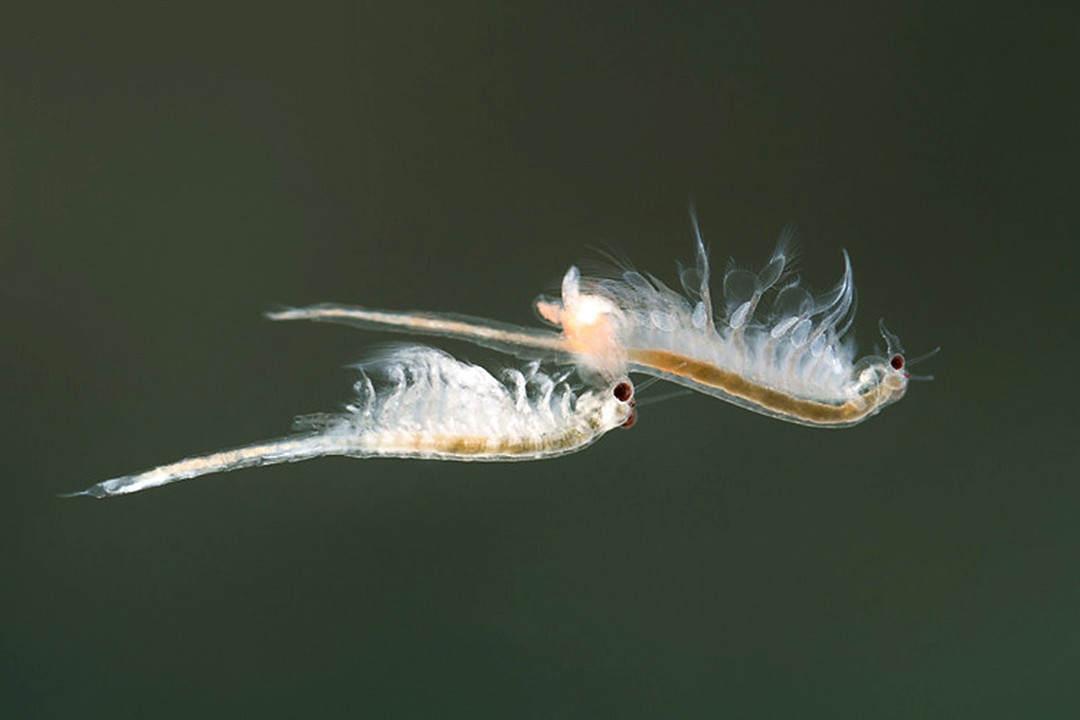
{"x":648,"y":384}
{"x":924,"y":356}
{"x":658,"y":398}
{"x":667,"y":396}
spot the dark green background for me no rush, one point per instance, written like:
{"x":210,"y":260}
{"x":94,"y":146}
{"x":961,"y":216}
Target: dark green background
{"x":169,"y":173}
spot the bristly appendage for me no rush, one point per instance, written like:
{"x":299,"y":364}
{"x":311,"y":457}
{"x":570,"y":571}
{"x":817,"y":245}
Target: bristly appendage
{"x":768,"y":327}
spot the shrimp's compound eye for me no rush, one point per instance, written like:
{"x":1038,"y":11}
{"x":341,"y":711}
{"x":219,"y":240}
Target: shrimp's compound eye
{"x":630,"y":421}
{"x":897,"y":362}
{"x":623,"y":391}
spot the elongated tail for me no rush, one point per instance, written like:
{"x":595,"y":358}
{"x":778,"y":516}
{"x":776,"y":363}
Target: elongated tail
{"x":271,"y":452}
{"x":503,"y":337}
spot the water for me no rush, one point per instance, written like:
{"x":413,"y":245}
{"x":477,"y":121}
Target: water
{"x":172,"y":173}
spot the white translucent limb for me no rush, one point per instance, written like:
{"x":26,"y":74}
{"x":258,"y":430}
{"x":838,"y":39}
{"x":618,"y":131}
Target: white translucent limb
{"x":703,"y":311}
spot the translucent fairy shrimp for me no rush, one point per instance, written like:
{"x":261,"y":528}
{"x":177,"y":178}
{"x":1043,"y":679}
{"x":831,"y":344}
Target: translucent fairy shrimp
{"x":774,"y":347}
{"x":428,"y":406}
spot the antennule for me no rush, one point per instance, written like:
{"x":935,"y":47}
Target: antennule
{"x":924,"y":356}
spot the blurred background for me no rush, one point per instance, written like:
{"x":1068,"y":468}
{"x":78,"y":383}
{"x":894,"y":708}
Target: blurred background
{"x":167,"y":173}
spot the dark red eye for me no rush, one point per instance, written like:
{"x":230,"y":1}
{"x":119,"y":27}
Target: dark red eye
{"x":897,"y":362}
{"x":623,"y":391}
{"x":630,"y":421}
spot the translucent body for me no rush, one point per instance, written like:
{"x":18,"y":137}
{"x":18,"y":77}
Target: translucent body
{"x":429,"y":406}
{"x":775,"y":348}
{"x":771,"y":346}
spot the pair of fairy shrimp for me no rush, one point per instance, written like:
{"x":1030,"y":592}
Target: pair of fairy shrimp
{"x":773,"y":348}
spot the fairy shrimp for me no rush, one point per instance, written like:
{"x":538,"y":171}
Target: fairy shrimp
{"x":427,"y":406}
{"x":775,"y":348}
{"x":771,"y":346}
